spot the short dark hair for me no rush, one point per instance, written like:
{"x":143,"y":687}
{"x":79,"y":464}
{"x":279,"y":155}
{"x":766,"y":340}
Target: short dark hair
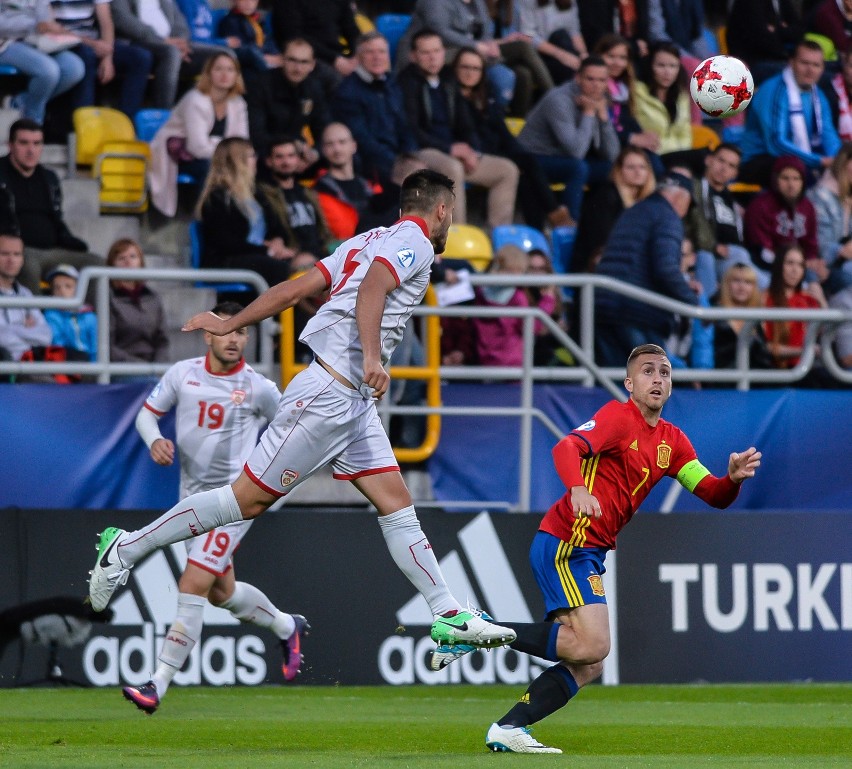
{"x":423,"y":190}
{"x":24,"y":124}
{"x":810,"y":45}
{"x":277,"y":141}
{"x":645,"y":349}
{"x":423,"y":33}
{"x":592,"y":61}
{"x":727,"y":146}
{"x":227,"y":308}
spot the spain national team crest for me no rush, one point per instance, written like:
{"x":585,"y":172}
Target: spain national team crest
{"x":664,"y":456}
{"x":238,"y":396}
{"x":288,"y":476}
{"x":596,"y":583}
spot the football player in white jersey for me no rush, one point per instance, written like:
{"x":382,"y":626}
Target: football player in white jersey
{"x":222,"y":404}
{"x":327,"y":414}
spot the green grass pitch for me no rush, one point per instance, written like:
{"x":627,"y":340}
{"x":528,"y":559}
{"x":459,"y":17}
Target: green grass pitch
{"x":776,"y":726}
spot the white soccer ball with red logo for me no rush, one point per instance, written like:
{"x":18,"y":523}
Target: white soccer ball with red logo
{"x":721,"y":86}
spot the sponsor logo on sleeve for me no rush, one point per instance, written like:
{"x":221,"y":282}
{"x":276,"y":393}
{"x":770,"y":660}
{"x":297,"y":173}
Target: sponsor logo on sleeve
{"x":405,"y":256}
{"x":584,"y":428}
{"x":288,"y":476}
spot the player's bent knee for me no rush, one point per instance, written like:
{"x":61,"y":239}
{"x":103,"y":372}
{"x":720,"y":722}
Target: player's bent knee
{"x":252,"y":500}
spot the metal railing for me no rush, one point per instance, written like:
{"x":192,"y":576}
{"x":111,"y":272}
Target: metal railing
{"x":103,"y":367}
{"x":821,"y":322}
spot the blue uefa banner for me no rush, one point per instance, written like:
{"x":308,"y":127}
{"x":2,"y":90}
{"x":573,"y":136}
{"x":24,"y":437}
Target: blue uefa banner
{"x":76,"y":446}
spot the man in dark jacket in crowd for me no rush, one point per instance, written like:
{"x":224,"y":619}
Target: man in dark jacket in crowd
{"x":446,"y":132}
{"x":329,"y":26}
{"x":287,"y":100}
{"x":370,"y":102}
{"x":644,"y":249}
{"x":37,"y":201}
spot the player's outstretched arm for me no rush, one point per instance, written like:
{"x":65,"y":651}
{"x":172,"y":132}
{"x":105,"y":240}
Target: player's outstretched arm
{"x":272,"y":301}
{"x":744,"y":465}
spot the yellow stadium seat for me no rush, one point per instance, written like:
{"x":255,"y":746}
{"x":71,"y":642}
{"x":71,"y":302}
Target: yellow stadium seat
{"x":515,"y":125}
{"x":702,"y":136}
{"x":364,"y":22}
{"x":829,"y":50}
{"x":722,"y":38}
{"x":95,"y":126}
{"x":744,"y":188}
{"x":121,"y":167}
{"x":468,"y":242}
{"x":106,"y":141}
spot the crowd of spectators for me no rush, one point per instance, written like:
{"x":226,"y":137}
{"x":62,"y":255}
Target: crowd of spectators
{"x":299,"y":126}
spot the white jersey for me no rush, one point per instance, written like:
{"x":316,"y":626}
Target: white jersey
{"x":332,"y":333}
{"x":218,"y":419}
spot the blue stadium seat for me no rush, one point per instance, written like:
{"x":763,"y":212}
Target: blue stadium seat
{"x":563,"y":248}
{"x":8,"y":69}
{"x":148,"y":121}
{"x":195,"y":247}
{"x":521,"y":235}
{"x":393,"y":26}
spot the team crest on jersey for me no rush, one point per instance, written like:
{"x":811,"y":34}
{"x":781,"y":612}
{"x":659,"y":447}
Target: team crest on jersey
{"x":590,"y":425}
{"x":405,"y":257}
{"x":288,"y":476}
{"x":596,"y":583}
{"x":238,"y":396}
{"x":664,"y":456}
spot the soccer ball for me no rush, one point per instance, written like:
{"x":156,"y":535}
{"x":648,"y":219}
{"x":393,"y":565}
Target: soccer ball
{"x":721,"y":86}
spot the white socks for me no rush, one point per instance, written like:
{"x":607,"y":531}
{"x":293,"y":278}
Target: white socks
{"x":412,"y":552}
{"x":248,"y":604}
{"x":183,"y":634}
{"x":190,"y":517}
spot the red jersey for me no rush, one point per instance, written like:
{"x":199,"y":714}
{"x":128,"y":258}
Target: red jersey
{"x":623,"y":459}
{"x":797,"y":328}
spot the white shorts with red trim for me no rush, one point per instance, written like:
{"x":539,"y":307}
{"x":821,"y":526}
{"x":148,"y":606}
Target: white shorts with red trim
{"x":215,"y":550}
{"x":319,"y":422}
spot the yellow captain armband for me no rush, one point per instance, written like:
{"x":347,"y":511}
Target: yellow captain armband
{"x":691,"y":474}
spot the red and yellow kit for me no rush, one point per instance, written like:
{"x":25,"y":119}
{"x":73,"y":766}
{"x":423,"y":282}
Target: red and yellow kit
{"x":623,"y":457}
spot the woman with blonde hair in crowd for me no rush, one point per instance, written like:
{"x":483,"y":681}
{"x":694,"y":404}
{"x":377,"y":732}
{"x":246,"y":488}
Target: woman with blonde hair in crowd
{"x":235,"y":233}
{"x":630,"y":180}
{"x":739,"y":288}
{"x":184,"y":144}
{"x":137,"y":320}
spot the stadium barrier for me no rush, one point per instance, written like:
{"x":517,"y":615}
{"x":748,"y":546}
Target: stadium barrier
{"x":728,"y":598}
{"x":822,"y":326}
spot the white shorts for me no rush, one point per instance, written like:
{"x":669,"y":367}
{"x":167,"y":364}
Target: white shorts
{"x":214,"y":550}
{"x":320,"y":421}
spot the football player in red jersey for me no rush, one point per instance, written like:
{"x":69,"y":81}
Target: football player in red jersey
{"x":609,"y":465}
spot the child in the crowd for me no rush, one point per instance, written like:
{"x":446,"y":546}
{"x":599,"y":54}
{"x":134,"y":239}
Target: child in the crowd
{"x":257,"y":51}
{"x":73,"y":329}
